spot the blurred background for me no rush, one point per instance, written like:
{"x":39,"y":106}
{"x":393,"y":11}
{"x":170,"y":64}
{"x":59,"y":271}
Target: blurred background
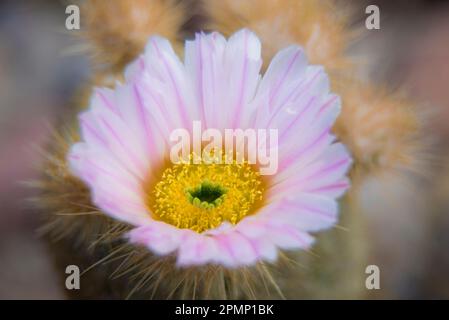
{"x":409,"y":233}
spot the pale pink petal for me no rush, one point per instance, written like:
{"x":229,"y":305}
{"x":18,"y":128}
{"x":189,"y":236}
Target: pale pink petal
{"x":307,"y":212}
{"x":135,"y":69}
{"x":296,"y":152}
{"x":106,"y":132}
{"x":256,"y":230}
{"x":160,"y":237}
{"x":162,"y":63}
{"x":242,"y":63}
{"x":124,"y":208}
{"x":204,"y":61}
{"x":124,"y":201}
{"x":289,"y":237}
{"x":135,"y":113}
{"x":300,"y":106}
{"x":223,"y":255}
{"x":163,"y":114}
{"x":265,"y":248}
{"x":197,"y":249}
{"x":252,"y":227}
{"x":225,"y":75}
{"x":327,"y":170}
{"x":283,"y":77}
{"x":332,"y":189}
{"x":236,"y":249}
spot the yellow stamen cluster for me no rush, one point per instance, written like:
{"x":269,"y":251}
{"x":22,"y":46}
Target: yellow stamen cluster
{"x":202,"y":196}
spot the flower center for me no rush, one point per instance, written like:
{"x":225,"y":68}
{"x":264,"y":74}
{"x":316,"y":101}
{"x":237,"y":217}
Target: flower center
{"x":203,"y":196}
{"x":207,"y":195}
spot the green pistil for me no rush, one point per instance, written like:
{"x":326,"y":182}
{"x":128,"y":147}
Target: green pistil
{"x":207,"y":195}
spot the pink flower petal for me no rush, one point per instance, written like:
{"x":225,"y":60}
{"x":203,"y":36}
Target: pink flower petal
{"x":327,"y":170}
{"x":308,"y":212}
{"x":160,"y":237}
{"x":162,"y":63}
{"x":284,"y":74}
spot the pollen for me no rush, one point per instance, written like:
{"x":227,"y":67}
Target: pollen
{"x":202,"y":196}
